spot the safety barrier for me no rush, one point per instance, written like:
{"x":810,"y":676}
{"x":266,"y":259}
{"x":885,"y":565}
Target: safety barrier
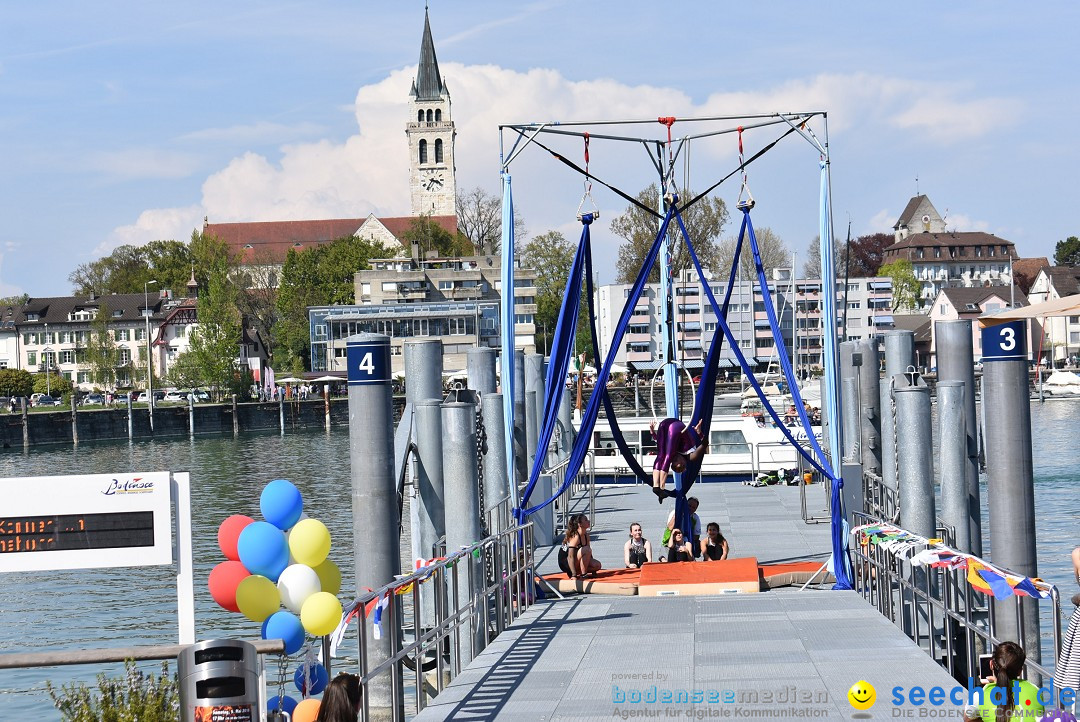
{"x":460,"y":630}
{"x":937,"y":608}
{"x":881,"y":500}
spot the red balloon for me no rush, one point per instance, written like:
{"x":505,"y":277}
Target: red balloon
{"x":224,"y":578}
{"x":229,"y":532}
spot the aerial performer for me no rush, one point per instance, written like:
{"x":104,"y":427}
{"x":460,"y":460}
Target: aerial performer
{"x":676,"y":444}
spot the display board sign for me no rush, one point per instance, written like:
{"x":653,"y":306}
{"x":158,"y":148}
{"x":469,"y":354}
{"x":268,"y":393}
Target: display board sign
{"x":1004,"y":342}
{"x":85,"y":521}
{"x":369,"y":361}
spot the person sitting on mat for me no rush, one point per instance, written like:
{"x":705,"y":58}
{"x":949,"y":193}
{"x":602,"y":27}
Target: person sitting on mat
{"x":679,"y":549}
{"x":714,"y":546}
{"x":637,"y":549}
{"x":675,"y":446}
{"x":575,"y":557}
{"x":695,"y":524}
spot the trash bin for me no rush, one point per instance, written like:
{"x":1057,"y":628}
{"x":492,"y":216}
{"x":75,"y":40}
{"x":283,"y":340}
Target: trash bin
{"x":219,"y":682}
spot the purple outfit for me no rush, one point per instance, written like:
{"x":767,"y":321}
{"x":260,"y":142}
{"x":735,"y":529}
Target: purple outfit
{"x":672,"y":437}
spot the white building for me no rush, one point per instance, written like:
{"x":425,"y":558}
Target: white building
{"x":1062,"y":341}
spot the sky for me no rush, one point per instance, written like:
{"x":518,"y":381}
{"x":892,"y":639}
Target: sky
{"x":125,"y":122}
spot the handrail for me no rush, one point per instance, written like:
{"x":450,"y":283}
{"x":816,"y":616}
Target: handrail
{"x":59,"y":657}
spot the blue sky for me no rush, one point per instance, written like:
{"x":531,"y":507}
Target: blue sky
{"x":125,"y":122}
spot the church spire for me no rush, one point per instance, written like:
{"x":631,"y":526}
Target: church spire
{"x":428,"y":84}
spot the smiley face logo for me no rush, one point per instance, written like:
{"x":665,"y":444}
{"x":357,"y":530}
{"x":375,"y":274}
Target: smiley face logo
{"x":862,"y":695}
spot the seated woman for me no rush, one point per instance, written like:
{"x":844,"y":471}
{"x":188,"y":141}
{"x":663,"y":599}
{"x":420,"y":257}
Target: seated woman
{"x":679,"y":549}
{"x":575,"y":557}
{"x":714,"y":546}
{"x":1006,"y":696}
{"x":637,"y":549}
{"x":675,"y":446}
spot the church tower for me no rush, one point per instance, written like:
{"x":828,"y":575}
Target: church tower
{"x":430,"y":130}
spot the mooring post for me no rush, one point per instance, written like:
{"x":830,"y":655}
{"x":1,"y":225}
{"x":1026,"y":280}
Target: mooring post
{"x":480,"y":369}
{"x":235,"y":418}
{"x":899,"y":354}
{"x":463,"y":515}
{"x":191,"y":415}
{"x":914,"y":451}
{"x":566,"y":428}
{"x":423,"y":382}
{"x":849,"y":395}
{"x":496,"y":485}
{"x":1010,"y":480}
{"x":868,"y":374}
{"x":130,"y":421}
{"x":952,"y":463}
{"x":430,"y":523}
{"x":75,"y":420}
{"x":374,"y":494}
{"x":956,"y":362}
{"x":25,"y":424}
{"x":281,"y":412}
{"x":326,"y":405}
{"x":637,"y":397}
{"x":531,"y":425}
{"x":520,"y":450}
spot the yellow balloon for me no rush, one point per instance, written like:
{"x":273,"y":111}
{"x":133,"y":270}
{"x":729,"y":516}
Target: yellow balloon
{"x":257,"y":597}
{"x":329,"y":576}
{"x":320,"y":614}
{"x":309,"y":542}
{"x":306,"y":711}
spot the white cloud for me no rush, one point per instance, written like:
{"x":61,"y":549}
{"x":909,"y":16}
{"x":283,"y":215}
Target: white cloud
{"x":154,"y":225}
{"x":880,"y":222}
{"x":961,"y":222}
{"x":144,"y":163}
{"x":368,"y":171}
{"x":261,"y":132}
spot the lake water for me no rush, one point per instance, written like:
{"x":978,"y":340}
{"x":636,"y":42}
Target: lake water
{"x":103,"y":608}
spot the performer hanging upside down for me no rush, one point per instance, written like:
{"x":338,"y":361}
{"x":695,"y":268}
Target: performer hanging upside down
{"x":675,"y":445}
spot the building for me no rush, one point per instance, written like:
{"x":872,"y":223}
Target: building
{"x":868,"y":302}
{"x":1062,"y":341}
{"x":948,"y":259}
{"x":430,"y":130}
{"x":455,"y":299}
{"x":971,"y":303}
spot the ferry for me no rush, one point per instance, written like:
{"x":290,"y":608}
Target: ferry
{"x":740,"y":448}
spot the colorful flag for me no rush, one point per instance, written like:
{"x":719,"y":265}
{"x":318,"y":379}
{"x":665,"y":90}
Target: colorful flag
{"x":376,"y":621}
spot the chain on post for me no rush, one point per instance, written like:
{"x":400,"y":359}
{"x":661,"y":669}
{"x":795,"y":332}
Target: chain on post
{"x":283,"y":670}
{"x":481,"y":451}
{"x":895,"y":456}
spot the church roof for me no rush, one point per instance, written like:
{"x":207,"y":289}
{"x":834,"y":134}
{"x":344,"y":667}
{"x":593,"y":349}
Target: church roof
{"x":270,"y":241}
{"x":428,"y":84}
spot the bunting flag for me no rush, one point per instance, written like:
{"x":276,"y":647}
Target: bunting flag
{"x":981,"y":575}
{"x":376,"y":620}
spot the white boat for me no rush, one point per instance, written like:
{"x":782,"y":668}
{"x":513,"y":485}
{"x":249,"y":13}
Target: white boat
{"x":1062,"y":383}
{"x":740,"y":447}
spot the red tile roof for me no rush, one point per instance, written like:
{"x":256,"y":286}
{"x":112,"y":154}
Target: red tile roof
{"x":270,"y":241}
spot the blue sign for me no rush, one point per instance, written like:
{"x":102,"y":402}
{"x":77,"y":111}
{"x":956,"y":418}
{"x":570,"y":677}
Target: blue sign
{"x":369,"y":362}
{"x":1005,"y":342}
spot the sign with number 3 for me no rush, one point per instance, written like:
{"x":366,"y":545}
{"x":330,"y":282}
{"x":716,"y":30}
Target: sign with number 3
{"x":1005,"y":342}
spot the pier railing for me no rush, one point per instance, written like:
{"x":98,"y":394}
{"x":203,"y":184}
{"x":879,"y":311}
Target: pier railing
{"x":478,"y":592}
{"x":881,"y":500}
{"x":939,"y":611}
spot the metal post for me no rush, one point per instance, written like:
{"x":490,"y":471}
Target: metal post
{"x":952,"y":459}
{"x":75,"y":420}
{"x":534,"y":381}
{"x":914,"y":450}
{"x":191,"y":415}
{"x":130,"y":421}
{"x":281,"y":412}
{"x":374,"y":491}
{"x":1010,"y":477}
{"x":869,"y":404}
{"x":531,"y":425}
{"x":566,"y":427}
{"x":326,"y":406}
{"x":521,"y":470}
{"x":849,"y":388}
{"x":956,"y":362}
{"x":462,"y":509}
{"x":235,"y":418}
{"x":423,"y":369}
{"x":25,"y":424}
{"x":496,"y":485}
{"x":480,"y":368}
{"x":637,"y":397}
{"x":428,"y":505}
{"x":899,"y":354}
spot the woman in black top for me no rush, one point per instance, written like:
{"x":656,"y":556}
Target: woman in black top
{"x":714,"y":546}
{"x":679,"y":550}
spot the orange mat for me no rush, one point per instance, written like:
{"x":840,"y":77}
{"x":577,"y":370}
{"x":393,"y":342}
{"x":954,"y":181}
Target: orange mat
{"x":686,"y":578}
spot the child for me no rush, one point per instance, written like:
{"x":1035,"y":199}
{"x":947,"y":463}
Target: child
{"x":714,"y":546}
{"x":637,"y":549}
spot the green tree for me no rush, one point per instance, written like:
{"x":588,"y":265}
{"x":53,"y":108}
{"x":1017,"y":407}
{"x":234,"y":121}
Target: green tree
{"x":101,"y":351}
{"x":433,"y":237}
{"x":704,"y":221}
{"x":19,"y":300}
{"x":551,"y":256}
{"x":1067,"y":252}
{"x":57,"y":386}
{"x":16,"y":382}
{"x":905,"y":287}
{"x":184,"y":372}
{"x":215,"y":340}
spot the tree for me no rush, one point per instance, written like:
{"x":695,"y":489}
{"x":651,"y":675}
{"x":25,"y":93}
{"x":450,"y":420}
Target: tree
{"x":812,"y":267}
{"x":773,"y":250}
{"x":20,"y":300}
{"x":704,"y":221}
{"x":905,"y":287}
{"x":56,"y":385}
{"x":1067,"y":252}
{"x":867,"y":254}
{"x":479,"y":215}
{"x":127,"y":268}
{"x":16,"y":382}
{"x":101,"y":350}
{"x":215,"y":339}
{"x":433,"y":237}
{"x":551,"y":256}
{"x":257,"y":292}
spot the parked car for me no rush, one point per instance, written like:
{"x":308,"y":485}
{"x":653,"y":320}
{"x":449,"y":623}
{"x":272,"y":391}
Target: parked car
{"x":92,"y":400}
{"x":175,"y":396}
{"x":201,"y":397}
{"x":120,"y":398}
{"x":44,"y":400}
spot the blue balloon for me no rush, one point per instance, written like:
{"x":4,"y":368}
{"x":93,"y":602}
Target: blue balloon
{"x":281,"y":504}
{"x":317,"y":675}
{"x":285,"y":626}
{"x":263,"y":550}
{"x":288,"y":704}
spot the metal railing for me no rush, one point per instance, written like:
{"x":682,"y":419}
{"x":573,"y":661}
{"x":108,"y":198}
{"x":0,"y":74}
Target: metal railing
{"x":881,"y":501}
{"x":468,"y":613}
{"x":939,"y":611}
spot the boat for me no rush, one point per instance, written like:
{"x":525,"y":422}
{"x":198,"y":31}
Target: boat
{"x":1062,"y":384}
{"x":740,"y":448}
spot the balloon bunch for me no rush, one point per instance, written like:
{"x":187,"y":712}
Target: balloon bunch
{"x":280,"y":561}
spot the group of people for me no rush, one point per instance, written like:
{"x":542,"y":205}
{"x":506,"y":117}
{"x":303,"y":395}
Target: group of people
{"x":678,"y":546}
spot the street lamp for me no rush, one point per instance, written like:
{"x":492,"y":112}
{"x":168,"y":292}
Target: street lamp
{"x":149,"y":361}
{"x":48,"y":365}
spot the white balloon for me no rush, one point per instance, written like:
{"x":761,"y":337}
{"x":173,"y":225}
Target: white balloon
{"x":296,"y":584}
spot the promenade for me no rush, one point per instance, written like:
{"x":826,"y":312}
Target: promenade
{"x":775,"y":655}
